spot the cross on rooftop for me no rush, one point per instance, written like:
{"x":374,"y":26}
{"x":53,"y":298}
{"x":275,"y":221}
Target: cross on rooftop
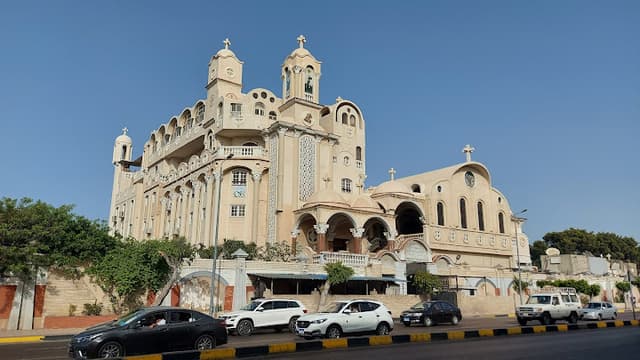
{"x":226,"y":43}
{"x":124,"y":130}
{"x":392,"y":172}
{"x":301,"y":40}
{"x":468,"y":150}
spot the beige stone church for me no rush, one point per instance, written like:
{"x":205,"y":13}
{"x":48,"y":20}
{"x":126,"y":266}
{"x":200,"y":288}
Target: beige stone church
{"x":263,"y":167}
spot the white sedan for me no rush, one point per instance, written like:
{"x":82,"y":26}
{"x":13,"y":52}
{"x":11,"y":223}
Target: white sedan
{"x":598,"y":311}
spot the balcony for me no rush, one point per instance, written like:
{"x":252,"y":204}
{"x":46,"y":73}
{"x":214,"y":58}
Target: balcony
{"x":348,"y":259}
{"x":238,"y":123}
{"x":175,"y":143}
{"x":241,"y":152}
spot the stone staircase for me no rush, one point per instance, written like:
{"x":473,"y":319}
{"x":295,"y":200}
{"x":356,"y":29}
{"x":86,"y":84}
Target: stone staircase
{"x":61,"y":292}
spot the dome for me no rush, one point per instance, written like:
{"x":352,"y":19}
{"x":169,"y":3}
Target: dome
{"x":225,"y":53}
{"x":124,"y":138}
{"x":365,"y":202}
{"x":300,"y":52}
{"x":392,"y":186}
{"x":326,"y":196}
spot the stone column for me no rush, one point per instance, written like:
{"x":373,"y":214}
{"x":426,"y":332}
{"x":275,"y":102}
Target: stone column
{"x":208,"y":218}
{"x":215,"y":205}
{"x":357,"y":239}
{"x":184,"y":200}
{"x":294,"y":241}
{"x":195,"y":210}
{"x":257,"y":177}
{"x":240,"y":288}
{"x":164,"y":202}
{"x":321,"y":230}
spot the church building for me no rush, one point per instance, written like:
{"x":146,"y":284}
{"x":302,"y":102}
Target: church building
{"x":264,"y":167}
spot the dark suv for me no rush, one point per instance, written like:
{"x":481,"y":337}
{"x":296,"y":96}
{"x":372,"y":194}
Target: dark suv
{"x":429,"y":313}
{"x":147,"y":331}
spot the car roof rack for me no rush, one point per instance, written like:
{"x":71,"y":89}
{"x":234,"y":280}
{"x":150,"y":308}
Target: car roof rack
{"x":555,"y":289}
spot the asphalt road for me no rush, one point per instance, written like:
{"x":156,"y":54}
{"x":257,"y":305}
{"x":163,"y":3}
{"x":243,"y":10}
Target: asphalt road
{"x":623,"y":343}
{"x":57,"y":349}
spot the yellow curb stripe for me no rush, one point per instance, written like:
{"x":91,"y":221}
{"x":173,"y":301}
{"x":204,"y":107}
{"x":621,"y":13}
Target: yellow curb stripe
{"x":635,"y":322}
{"x":619,"y":323}
{"x":20,"y":339}
{"x":334,"y":343}
{"x":145,"y":357}
{"x":514,"y":331}
{"x":539,"y":329}
{"x":601,"y":324}
{"x":217,"y":354}
{"x":563,"y":327}
{"x":282,"y":348}
{"x":455,"y":335}
{"x":380,"y":340}
{"x":485,"y":332}
{"x":424,"y":337}
{"x":511,"y":315}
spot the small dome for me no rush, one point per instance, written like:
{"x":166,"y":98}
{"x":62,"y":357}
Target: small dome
{"x":365,"y":202}
{"x":392,"y":186}
{"x":124,"y":138}
{"x":300,"y":52}
{"x":326,"y":196}
{"x":225,"y":53}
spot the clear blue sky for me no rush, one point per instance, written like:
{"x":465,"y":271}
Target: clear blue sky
{"x":548,"y":92}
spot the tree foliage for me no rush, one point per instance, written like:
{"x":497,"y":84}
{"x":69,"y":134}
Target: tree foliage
{"x":623,"y":286}
{"x":517,"y":285}
{"x":574,"y":241}
{"x":536,"y":249}
{"x":426,"y":283}
{"x":277,"y":251}
{"x":581,"y":286}
{"x":337,"y":273}
{"x":36,"y":234}
{"x":127,"y":272}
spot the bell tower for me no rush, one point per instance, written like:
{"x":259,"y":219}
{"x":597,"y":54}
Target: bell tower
{"x":301,"y":74}
{"x":225,"y":73}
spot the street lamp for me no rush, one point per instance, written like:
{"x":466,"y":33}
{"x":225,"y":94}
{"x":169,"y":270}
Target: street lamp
{"x":517,"y":221}
{"x":215,"y":237}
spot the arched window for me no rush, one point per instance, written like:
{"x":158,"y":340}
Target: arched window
{"x":345,"y":119}
{"x":463,"y":214}
{"x":123,"y":155}
{"x":220,"y":111}
{"x":352,"y":120}
{"x":358,"y":153}
{"x":308,"y":83}
{"x":259,"y":109}
{"x":346,"y":185}
{"x":440,"y":209}
{"x":287,"y":82}
{"x":415,"y":188}
{"x":200,"y":113}
{"x":480,"y":217}
{"x":501,"y":222}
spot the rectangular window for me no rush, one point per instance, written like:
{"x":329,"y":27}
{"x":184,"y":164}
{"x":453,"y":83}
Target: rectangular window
{"x":237,"y":210}
{"x":239,"y":178}
{"x":346,"y":185}
{"x":259,"y":111}
{"x":236,"y":109}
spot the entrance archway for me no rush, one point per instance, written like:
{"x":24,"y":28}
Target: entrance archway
{"x":339,"y":237}
{"x":408,"y":219}
{"x":374,"y":232}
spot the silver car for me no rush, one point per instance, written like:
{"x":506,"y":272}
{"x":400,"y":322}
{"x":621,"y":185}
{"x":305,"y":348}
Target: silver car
{"x":598,"y":310}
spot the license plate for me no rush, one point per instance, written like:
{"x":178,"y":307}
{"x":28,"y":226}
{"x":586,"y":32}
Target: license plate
{"x":300,"y":331}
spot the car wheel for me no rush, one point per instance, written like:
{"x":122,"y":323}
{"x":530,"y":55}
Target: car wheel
{"x":292,"y":324}
{"x":522,"y":322}
{"x":244,"y":327}
{"x":455,"y":320}
{"x":382,"y":329}
{"x":546,"y":319}
{"x":333,"y":332}
{"x":573,"y":318}
{"x":110,"y":349}
{"x":406,"y":323}
{"x":205,"y":342}
{"x":427,"y":321}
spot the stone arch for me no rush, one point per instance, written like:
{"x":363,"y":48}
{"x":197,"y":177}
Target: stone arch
{"x":486,"y":287}
{"x":339,"y":237}
{"x":443,"y":264}
{"x":195,"y":290}
{"x":375,"y":230}
{"x":409,"y":218}
{"x":307,"y":235}
{"x":416,"y":251}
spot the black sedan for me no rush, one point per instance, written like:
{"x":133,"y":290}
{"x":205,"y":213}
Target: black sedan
{"x":429,"y":313}
{"x":147,"y":331}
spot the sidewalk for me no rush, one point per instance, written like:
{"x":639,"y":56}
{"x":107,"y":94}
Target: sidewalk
{"x":48,"y":333}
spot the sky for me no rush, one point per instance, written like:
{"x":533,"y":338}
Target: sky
{"x":547,"y":92}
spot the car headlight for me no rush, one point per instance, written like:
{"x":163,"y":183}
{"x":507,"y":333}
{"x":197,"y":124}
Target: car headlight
{"x":319,"y":321}
{"x":87,"y":338}
{"x":538,"y":309}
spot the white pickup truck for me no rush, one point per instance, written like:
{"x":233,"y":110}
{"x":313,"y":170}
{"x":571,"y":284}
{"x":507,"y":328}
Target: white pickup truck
{"x":550,"y":304}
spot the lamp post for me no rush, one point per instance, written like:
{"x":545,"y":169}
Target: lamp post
{"x":517,"y":221}
{"x":215,"y":237}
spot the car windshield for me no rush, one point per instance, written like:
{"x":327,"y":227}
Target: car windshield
{"x":539,"y":299}
{"x":125,"y":320}
{"x":333,"y":307}
{"x":593,"y":306}
{"x":421,"y":306}
{"x":251,"y":306}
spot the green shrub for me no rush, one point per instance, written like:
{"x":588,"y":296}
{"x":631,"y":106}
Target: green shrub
{"x":72,"y":309}
{"x":92,"y":309}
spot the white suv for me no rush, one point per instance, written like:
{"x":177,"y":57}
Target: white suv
{"x":341,"y":317}
{"x":264,"y":313}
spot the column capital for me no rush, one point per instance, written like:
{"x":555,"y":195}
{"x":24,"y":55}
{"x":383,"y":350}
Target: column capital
{"x":295,"y":233}
{"x":321,"y":228}
{"x":357,"y":232}
{"x":256,"y":176}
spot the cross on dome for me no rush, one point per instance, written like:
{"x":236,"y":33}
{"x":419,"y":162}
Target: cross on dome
{"x":468,"y":150}
{"x":392,"y":172}
{"x":124,"y":131}
{"x":301,"y":40}
{"x":226,"y":43}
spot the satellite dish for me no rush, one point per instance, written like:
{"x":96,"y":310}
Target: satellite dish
{"x":552,"y":251}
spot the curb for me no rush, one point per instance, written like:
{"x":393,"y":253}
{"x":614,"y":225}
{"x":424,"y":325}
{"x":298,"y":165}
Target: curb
{"x":290,"y":347}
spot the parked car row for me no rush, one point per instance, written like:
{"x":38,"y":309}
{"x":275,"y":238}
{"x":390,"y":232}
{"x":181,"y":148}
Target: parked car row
{"x":163,"y":329}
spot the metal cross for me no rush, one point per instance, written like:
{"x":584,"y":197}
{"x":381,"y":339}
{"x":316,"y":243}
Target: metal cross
{"x":392,"y":172}
{"x":468,"y":150}
{"x":301,"y":40}
{"x":226,"y":43}
{"x":124,"y":130}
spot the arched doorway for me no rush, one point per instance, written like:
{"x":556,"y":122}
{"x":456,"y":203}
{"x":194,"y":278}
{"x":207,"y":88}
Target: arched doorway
{"x":339,"y":237}
{"x":374,"y":233}
{"x":408,"y":219}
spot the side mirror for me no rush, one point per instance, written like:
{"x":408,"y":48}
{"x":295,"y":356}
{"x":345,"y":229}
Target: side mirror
{"x":260,"y":308}
{"x":346,"y":311}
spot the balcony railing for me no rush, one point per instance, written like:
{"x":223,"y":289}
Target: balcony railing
{"x":345,"y":258}
{"x":242,"y":151}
